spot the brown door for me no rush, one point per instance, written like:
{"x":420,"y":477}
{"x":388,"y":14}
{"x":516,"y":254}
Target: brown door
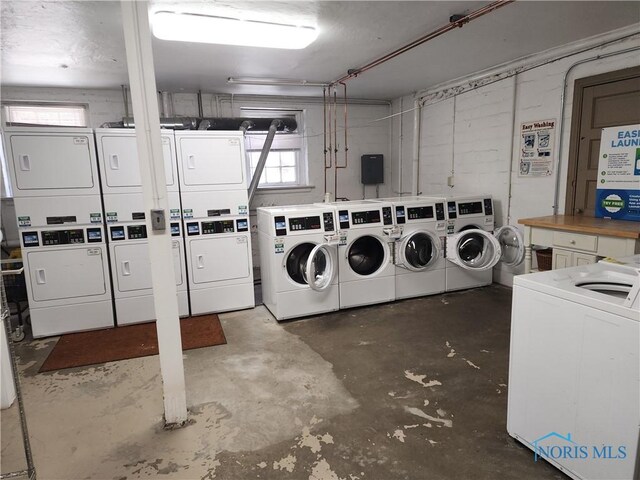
{"x":607,"y":100}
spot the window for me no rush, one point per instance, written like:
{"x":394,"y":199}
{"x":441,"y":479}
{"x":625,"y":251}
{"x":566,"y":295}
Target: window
{"x":286,"y":164}
{"x":282,"y":167}
{"x":46,"y":114}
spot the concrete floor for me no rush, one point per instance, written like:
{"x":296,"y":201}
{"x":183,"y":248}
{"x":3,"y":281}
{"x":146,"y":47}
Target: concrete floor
{"x":410,"y":390}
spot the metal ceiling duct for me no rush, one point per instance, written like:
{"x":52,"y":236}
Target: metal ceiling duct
{"x":285,"y":124}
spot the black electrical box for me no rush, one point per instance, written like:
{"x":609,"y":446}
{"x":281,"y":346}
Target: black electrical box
{"x":372,"y":169}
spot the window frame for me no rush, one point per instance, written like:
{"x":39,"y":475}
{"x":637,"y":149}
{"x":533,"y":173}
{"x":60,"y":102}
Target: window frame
{"x":302,"y":162}
{"x":297,"y":165}
{"x":7,"y":120}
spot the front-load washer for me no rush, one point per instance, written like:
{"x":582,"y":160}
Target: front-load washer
{"x":574,"y":368}
{"x":298,"y":260}
{"x":473,"y":247}
{"x":419,"y":252}
{"x":366,"y":272}
{"x":129,"y":257}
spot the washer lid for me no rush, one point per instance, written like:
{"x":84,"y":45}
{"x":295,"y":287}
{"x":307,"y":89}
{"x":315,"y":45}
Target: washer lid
{"x":418,"y":250}
{"x":512,"y":245}
{"x":320,"y":268}
{"x":474,"y":249}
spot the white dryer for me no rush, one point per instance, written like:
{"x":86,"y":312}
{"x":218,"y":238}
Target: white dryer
{"x":66,"y":265}
{"x":47,"y":162}
{"x":219,"y":263}
{"x":420,"y":250}
{"x":129,"y":256}
{"x":366,"y":271}
{"x":125,"y":217}
{"x":298,"y":260}
{"x":574,"y":368}
{"x":473,"y":247}
{"x":211,"y":160}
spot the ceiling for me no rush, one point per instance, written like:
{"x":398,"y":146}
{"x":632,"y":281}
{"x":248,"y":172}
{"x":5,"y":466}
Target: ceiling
{"x":80,"y":43}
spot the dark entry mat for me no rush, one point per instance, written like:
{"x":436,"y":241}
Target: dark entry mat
{"x":133,"y":341}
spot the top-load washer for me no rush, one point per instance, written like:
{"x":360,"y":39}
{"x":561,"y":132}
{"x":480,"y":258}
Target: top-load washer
{"x":366,"y":272}
{"x":298,"y":260}
{"x":125,"y":217}
{"x":420,"y":250}
{"x":48,"y":162}
{"x":473,"y":247}
{"x":574,"y":368}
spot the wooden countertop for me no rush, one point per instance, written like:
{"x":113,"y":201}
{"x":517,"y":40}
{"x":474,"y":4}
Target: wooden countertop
{"x":580,"y":224}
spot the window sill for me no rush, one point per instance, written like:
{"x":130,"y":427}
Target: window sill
{"x":282,"y":189}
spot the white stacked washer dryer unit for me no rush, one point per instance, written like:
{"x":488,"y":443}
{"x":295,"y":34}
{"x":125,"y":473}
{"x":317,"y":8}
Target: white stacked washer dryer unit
{"x":215,"y":210}
{"x":366,"y":272}
{"x":420,"y":250}
{"x":127,"y":230}
{"x":298,"y":260}
{"x":473,"y":248}
{"x":56,"y":187}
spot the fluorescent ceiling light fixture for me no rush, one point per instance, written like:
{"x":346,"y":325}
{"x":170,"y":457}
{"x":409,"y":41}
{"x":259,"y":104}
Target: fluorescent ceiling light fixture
{"x":188,"y":27}
{"x":276,"y":82}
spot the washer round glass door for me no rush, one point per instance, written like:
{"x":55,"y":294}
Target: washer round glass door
{"x":366,"y":255}
{"x":512,"y":245}
{"x":419,"y":250}
{"x":296,"y":262}
{"x":474,"y":249}
{"x":319,"y":269}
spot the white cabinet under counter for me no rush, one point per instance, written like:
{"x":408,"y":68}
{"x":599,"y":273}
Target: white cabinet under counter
{"x":578,"y":240}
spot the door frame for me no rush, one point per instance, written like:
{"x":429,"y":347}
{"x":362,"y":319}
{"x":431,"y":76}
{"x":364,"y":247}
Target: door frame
{"x":576,"y":114}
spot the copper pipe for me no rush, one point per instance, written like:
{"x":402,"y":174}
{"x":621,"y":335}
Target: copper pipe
{"x":346,"y":142}
{"x":335,"y":146}
{"x":324,"y":127}
{"x":429,"y":36}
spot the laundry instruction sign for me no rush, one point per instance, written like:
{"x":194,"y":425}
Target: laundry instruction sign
{"x":618,"y":191}
{"x":537,"y":143}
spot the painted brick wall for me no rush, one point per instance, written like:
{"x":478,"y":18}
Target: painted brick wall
{"x":477,"y":137}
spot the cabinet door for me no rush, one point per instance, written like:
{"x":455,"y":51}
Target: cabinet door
{"x":583,"y":259}
{"x":561,"y":259}
{"x":51,"y":162}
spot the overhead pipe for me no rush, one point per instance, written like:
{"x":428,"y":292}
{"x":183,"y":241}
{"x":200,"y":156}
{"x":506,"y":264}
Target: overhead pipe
{"x":335,"y":145}
{"x":167,"y":107}
{"x":425,"y":38}
{"x":346,"y":144}
{"x":324,"y":135}
{"x":246,"y":125}
{"x":286,"y":124}
{"x":273,"y":128}
{"x":125,"y":100}
{"x":200,"y":108}
{"x":417,"y":118}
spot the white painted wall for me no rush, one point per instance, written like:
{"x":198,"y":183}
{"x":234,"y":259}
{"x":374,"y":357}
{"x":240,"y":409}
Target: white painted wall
{"x":475,"y":137}
{"x":365,"y":136}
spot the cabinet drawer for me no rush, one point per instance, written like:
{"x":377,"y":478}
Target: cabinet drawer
{"x":576,"y":241}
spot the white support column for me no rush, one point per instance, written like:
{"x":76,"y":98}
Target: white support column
{"x":137,"y":35}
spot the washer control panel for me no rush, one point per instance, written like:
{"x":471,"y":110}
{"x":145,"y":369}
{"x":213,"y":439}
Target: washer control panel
{"x":329,"y":224}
